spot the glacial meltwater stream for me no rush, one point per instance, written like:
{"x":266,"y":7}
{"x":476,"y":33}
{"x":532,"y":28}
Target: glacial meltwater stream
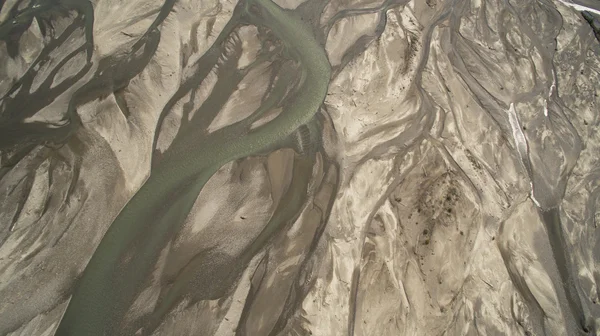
{"x":126,"y":254}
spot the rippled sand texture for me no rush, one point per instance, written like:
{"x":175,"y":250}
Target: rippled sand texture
{"x":448,"y":184}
